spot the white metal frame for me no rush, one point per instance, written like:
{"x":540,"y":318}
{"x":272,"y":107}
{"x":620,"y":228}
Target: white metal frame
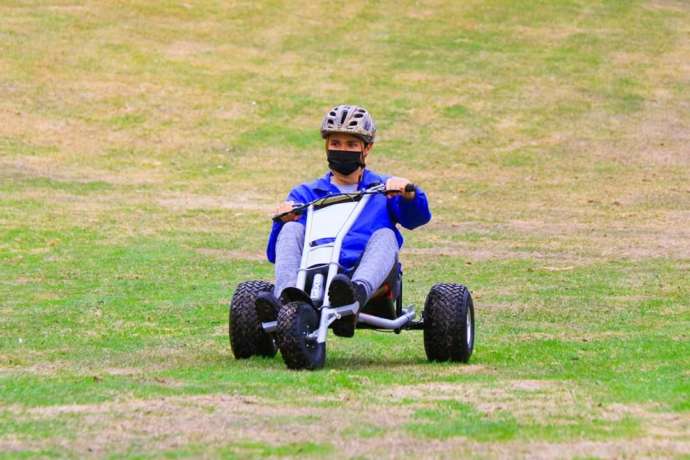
{"x":333,"y":222}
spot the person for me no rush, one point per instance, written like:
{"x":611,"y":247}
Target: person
{"x":371,"y":246}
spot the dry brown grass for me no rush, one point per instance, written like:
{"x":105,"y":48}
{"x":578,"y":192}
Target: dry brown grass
{"x":217,"y":420}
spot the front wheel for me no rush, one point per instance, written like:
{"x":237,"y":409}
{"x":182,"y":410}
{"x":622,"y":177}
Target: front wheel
{"x":296,"y":320}
{"x":449,"y":323}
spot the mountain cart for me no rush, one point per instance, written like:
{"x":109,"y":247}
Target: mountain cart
{"x":301,"y":330}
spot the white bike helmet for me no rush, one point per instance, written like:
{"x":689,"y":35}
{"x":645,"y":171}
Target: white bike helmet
{"x":349,"y":119}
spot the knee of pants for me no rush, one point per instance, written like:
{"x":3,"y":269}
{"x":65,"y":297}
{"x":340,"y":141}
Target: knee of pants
{"x":291,"y":229}
{"x":384,"y":234}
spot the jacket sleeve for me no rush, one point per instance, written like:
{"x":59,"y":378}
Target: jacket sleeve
{"x":410,"y":213}
{"x":297,"y":197}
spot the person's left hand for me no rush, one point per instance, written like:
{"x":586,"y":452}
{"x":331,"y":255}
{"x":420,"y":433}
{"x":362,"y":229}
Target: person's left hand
{"x":397,"y":184}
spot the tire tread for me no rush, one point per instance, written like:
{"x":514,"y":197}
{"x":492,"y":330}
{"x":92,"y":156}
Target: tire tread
{"x":445,"y":313}
{"x":290,"y":319}
{"x":247,"y":338}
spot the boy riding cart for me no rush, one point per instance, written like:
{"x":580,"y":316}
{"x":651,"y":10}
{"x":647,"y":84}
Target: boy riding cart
{"x":335,"y":243}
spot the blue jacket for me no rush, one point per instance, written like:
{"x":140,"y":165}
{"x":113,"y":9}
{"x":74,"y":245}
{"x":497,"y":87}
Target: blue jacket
{"x":380,"y":212}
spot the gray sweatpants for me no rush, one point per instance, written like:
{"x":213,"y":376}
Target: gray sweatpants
{"x":377,"y":261}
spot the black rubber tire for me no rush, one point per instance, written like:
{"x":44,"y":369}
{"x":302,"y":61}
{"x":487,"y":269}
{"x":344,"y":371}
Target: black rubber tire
{"x":295,"y":321}
{"x":447,"y":313}
{"x":247,"y":338}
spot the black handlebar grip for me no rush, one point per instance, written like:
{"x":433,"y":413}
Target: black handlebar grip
{"x":297,"y":210}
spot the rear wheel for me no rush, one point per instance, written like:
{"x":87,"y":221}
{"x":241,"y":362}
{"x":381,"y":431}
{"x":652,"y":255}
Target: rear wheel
{"x":247,"y":337}
{"x":296,"y":320}
{"x":449,"y":323}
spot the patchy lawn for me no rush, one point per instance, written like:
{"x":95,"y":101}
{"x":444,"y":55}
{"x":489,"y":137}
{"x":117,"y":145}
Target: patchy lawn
{"x":144,"y":145}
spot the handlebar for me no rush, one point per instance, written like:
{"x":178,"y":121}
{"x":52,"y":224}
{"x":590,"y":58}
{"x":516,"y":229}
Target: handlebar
{"x":299,"y":208}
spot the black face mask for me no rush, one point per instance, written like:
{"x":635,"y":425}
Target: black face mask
{"x":344,"y":161}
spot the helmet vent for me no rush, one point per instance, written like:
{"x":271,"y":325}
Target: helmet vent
{"x":349,"y":119}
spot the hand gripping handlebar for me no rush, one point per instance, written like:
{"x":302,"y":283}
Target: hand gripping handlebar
{"x":299,"y":208}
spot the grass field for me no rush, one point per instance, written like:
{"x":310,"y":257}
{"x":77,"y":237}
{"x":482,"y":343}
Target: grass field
{"x":144,"y":145}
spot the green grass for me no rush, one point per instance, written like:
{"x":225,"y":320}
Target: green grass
{"x":144,"y":145}
{"x":459,"y":419}
{"x":255,"y":450}
{"x":452,"y":419}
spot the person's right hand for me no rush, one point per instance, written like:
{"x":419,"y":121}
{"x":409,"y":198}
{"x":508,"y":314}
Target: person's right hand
{"x":287,"y":206}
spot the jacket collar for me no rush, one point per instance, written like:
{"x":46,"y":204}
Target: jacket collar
{"x":368,"y":179}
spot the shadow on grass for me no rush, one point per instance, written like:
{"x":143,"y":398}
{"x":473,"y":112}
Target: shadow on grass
{"x":365,"y":362}
{"x":340,"y":362}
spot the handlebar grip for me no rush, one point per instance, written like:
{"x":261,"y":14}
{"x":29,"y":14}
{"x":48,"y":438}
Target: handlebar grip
{"x":279,"y":217}
{"x":297,"y":210}
{"x":409,"y":188}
